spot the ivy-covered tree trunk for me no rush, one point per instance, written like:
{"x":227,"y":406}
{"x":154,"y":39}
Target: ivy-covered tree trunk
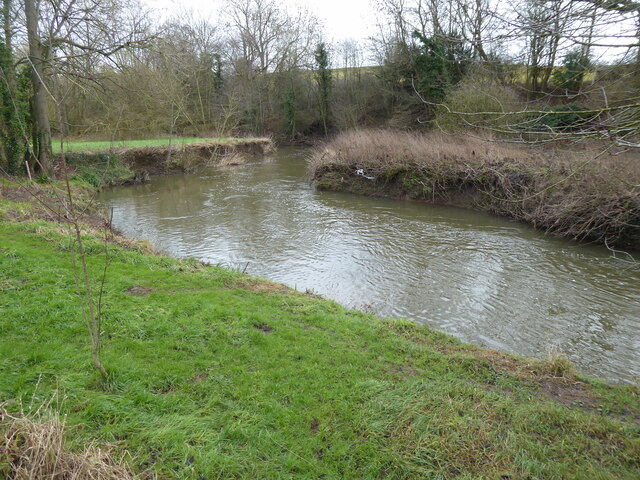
{"x":637,"y":70}
{"x":289,"y":105}
{"x":40,"y":116}
{"x":325,"y":84}
{"x":11,"y":133}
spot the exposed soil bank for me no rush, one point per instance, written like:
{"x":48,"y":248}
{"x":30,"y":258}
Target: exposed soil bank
{"x":571,"y":195}
{"x":135,"y":165}
{"x":186,"y":158}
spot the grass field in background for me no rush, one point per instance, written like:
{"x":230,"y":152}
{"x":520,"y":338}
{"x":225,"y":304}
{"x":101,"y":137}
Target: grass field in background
{"x":97,"y":146}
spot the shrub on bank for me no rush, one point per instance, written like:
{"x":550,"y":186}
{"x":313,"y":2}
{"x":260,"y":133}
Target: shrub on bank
{"x":478,"y":104}
{"x":561,"y":117}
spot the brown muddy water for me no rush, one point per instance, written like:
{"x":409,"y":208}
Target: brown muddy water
{"x":483,"y":279}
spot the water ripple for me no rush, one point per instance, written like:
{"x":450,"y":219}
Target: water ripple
{"x":481,"y":278}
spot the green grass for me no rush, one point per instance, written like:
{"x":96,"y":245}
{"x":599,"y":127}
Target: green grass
{"x":219,"y":375}
{"x":99,"y":169}
{"x":97,"y":146}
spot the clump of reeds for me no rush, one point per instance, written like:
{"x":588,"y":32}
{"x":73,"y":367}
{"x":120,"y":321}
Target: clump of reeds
{"x":33,"y":447}
{"x":557,"y":364}
{"x":578,"y":194}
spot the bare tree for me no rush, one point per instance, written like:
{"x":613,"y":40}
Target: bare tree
{"x":41,"y":125}
{"x":70,"y":37}
{"x":266,"y":39}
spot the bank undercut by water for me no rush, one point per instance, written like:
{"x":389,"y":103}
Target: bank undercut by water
{"x":100,"y":165}
{"x":581,"y":195}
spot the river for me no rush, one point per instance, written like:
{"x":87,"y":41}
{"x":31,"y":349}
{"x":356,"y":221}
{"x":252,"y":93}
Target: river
{"x":483,"y":279}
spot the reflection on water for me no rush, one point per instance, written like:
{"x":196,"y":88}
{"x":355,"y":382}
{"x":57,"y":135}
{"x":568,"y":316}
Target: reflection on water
{"x":483,"y":279}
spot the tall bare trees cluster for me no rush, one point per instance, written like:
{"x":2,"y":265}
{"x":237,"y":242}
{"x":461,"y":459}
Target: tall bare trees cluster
{"x":532,"y":32}
{"x":246,"y":72}
{"x":547,"y":69}
{"x":57,"y":45}
{"x":102,"y":68}
{"x":268,"y":48}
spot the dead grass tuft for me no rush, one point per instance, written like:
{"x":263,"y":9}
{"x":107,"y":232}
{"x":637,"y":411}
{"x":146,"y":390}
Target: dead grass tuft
{"x":34,"y":448}
{"x":557,"y":364}
{"x":260,"y":285}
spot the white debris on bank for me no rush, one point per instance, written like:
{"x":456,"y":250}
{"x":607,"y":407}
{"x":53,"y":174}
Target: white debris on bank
{"x":360,"y":172}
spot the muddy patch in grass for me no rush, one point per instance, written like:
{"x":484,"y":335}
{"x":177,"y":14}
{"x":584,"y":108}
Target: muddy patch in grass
{"x":569,"y":392}
{"x":200,"y":377}
{"x":263,"y":328}
{"x":314,"y":426}
{"x":404,"y":371}
{"x":254,"y":285}
{"x":140,"y":291}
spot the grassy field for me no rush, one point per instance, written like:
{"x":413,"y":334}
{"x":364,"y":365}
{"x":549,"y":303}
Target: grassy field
{"x":97,"y":146}
{"x":215,"y":374}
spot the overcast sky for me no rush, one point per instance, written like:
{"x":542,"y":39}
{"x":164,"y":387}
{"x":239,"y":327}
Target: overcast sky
{"x":349,"y":19}
{"x":342,"y":19}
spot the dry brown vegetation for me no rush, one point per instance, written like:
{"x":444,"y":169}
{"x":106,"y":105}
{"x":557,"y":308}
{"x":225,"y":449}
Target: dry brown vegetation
{"x":578,"y":192}
{"x":232,"y":159}
{"x":33,"y":447}
{"x":189,"y":158}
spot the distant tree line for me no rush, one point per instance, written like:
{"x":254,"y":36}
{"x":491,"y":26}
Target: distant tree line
{"x":103,"y":69}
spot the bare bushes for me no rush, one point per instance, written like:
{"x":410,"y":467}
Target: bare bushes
{"x":573,"y":194}
{"x":34,"y":448}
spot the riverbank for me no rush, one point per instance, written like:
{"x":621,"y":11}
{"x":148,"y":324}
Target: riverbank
{"x":214,"y":373}
{"x":101,"y":164}
{"x":572,"y":194}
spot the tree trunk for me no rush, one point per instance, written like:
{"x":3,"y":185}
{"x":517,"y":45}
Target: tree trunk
{"x":477,"y":33}
{"x":637,"y":69}
{"x":12,"y":135}
{"x":41,"y":126}
{"x":6,"y":22}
